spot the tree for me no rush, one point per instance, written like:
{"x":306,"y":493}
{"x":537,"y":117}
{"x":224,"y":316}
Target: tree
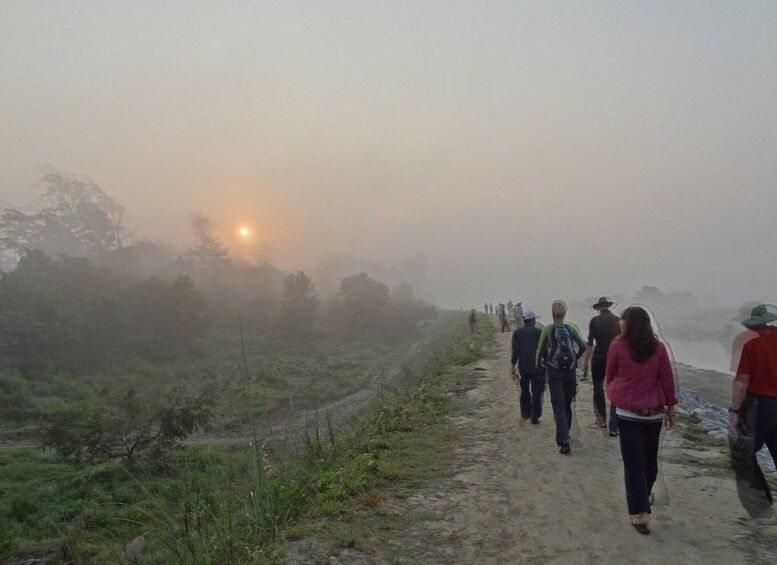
{"x":79,"y":219}
{"x":208,"y":247}
{"x":66,"y":314}
{"x":300,"y":305}
{"x":362,"y":300}
{"x":164,"y":317}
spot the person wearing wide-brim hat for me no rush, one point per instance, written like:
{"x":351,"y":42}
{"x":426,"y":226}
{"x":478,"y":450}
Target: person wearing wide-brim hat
{"x":756,"y":379}
{"x":602,"y":329}
{"x":604,"y":302}
{"x":760,"y":315}
{"x":753,"y":493}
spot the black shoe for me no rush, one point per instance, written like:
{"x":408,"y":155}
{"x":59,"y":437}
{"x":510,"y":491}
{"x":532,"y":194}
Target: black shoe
{"x":613,"y":433}
{"x":565,"y":449}
{"x":535,"y":422}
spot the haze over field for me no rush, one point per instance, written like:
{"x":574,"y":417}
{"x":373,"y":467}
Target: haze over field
{"x":483,"y":148}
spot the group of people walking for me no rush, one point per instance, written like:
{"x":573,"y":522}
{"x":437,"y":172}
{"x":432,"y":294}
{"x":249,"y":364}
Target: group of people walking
{"x":625,"y":354}
{"x":627,"y":360}
{"x":506,"y":313}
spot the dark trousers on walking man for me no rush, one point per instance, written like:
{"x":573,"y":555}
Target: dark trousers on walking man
{"x":532,"y":388}
{"x":598,"y":366}
{"x":562,"y":385}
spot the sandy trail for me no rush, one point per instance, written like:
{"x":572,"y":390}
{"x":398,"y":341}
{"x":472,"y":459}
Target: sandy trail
{"x":515,"y":499}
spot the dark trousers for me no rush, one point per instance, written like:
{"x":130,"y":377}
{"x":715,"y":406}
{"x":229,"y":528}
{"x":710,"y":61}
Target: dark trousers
{"x":639,"y":450}
{"x":598,"y":366}
{"x":532,"y":387}
{"x":765,"y":434}
{"x":562,"y":385}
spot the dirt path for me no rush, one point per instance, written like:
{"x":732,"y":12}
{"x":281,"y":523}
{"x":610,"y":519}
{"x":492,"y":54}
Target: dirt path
{"x":515,"y":499}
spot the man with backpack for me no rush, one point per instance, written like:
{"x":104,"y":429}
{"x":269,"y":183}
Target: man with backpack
{"x":557,"y":353}
{"x":531,"y":379}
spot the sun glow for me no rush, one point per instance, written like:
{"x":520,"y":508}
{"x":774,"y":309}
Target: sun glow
{"x":244,"y":231}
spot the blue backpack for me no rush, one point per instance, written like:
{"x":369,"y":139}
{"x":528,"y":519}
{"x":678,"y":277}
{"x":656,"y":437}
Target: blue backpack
{"x":562,"y":353}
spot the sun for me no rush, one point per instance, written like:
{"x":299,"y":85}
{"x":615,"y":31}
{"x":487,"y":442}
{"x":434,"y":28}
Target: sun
{"x":244,"y":231}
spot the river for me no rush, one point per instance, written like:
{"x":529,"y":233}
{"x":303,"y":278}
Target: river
{"x":706,"y":354}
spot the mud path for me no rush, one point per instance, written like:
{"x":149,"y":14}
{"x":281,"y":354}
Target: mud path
{"x":291,"y":425}
{"x":515,"y":499}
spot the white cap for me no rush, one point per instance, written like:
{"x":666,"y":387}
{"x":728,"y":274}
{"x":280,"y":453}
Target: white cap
{"x":529,"y":315}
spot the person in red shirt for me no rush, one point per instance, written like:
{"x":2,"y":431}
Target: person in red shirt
{"x":640,"y":383}
{"x":756,"y":379}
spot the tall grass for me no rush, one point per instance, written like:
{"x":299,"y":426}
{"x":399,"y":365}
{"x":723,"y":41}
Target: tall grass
{"x":209,"y":506}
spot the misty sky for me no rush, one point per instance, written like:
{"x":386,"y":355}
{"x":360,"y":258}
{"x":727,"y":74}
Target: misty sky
{"x":525,"y":150}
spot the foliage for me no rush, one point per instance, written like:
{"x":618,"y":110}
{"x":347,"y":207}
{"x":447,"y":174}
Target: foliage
{"x":208,"y":247}
{"x":205,"y":505}
{"x":124,"y":426}
{"x":299,"y":308}
{"x":79,"y":219}
{"x":67,"y":314}
{"x":362,"y":297}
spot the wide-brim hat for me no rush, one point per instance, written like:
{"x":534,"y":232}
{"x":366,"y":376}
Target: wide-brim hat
{"x":759,"y":316}
{"x":604,"y":302}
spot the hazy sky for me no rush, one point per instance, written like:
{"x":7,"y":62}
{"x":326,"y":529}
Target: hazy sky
{"x":526,"y":150}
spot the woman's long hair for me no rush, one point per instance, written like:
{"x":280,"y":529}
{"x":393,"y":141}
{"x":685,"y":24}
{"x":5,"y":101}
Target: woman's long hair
{"x":638,"y":333}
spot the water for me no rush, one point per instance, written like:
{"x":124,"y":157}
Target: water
{"x":706,"y":354}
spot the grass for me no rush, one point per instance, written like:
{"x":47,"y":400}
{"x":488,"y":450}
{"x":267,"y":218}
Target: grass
{"x":209,"y":505}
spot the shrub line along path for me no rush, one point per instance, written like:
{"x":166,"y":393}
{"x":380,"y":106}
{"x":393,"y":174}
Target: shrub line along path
{"x":512,"y":498}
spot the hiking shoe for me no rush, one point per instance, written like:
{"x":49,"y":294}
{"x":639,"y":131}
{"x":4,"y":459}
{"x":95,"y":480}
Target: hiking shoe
{"x":613,"y":433}
{"x":565,"y":449}
{"x":602,"y":424}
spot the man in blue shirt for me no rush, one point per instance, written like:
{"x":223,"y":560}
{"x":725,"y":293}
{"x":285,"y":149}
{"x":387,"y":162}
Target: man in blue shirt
{"x":531,"y":379}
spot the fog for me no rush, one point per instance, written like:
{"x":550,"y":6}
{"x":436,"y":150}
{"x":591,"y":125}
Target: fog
{"x":479,"y":151}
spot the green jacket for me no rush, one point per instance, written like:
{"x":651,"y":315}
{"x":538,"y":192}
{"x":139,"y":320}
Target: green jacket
{"x":574,"y":331}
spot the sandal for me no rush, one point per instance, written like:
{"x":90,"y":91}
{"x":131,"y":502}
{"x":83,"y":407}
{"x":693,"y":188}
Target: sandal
{"x":641,"y":528}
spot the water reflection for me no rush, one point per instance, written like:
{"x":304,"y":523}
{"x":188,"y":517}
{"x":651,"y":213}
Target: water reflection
{"x":704,"y":354}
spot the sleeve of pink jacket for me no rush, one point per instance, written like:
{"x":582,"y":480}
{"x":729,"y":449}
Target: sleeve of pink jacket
{"x":666,"y":378}
{"x":612,"y":364}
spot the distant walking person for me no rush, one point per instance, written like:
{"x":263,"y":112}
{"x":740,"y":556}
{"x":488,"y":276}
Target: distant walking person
{"x":491,"y":307}
{"x":503,"y":318}
{"x":531,"y":378}
{"x":756,"y":381}
{"x":601,"y":330}
{"x":485,"y":307}
{"x":557,"y":350}
{"x":473,"y":321}
{"x":640,"y":384}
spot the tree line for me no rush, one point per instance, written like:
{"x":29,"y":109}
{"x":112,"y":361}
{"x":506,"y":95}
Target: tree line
{"x":77,"y":289}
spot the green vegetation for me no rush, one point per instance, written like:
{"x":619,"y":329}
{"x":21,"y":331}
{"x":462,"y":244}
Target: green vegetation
{"x":144,"y":373}
{"x":205,"y":504}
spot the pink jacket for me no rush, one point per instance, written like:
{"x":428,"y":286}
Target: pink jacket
{"x":636,"y":386}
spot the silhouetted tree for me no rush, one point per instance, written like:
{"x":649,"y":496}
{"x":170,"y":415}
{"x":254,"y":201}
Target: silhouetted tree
{"x":362,"y":300}
{"x":79,"y":219}
{"x":299,"y":309}
{"x":208,"y":247}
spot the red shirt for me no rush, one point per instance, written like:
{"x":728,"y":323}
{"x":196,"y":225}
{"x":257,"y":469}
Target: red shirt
{"x":759,"y":362}
{"x":637,"y":386}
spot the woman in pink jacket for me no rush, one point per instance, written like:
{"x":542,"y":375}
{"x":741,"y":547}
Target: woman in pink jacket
{"x":640,"y":384}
